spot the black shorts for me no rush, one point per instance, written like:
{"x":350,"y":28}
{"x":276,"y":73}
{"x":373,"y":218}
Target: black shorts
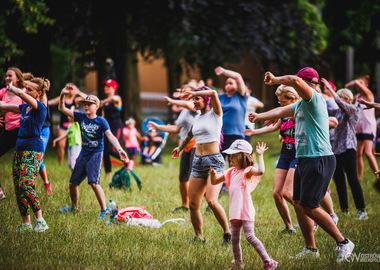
{"x":312,"y":178}
{"x":364,"y":137}
{"x":185,"y":165}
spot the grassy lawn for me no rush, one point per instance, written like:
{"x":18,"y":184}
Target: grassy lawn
{"x":80,"y":241}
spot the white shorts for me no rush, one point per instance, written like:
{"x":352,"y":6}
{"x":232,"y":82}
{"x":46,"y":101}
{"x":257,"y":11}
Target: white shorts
{"x":73,"y":153}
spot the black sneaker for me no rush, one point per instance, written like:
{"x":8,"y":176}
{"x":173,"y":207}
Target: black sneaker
{"x":227,"y":238}
{"x":180,"y":209}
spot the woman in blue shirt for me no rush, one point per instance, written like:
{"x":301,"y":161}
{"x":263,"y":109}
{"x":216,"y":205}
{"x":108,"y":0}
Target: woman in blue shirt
{"x":29,"y":149}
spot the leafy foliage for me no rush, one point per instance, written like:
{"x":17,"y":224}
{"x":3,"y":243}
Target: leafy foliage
{"x":23,"y":15}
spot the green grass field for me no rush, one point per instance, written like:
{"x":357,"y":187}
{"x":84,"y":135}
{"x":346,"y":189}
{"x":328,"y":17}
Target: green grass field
{"x":80,"y":241}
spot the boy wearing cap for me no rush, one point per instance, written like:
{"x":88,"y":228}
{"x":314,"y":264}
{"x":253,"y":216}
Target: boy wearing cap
{"x":316,"y":161}
{"x":89,"y":162}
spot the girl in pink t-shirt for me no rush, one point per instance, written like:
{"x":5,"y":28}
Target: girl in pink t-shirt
{"x":131,"y":137}
{"x":241,"y":179}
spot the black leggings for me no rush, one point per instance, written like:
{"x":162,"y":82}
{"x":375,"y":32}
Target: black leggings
{"x":8,"y":140}
{"x":346,"y":164}
{"x":110,"y":150}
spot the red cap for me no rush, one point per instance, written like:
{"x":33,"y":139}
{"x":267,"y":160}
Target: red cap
{"x":309,"y":74}
{"x":332,"y":85}
{"x":111,"y":83}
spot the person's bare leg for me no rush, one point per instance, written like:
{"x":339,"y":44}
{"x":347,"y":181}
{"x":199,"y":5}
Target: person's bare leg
{"x":359,"y":158}
{"x":26,"y":219}
{"x":184,"y":190}
{"x":74,"y":194}
{"x":99,"y":195}
{"x":197,"y":188}
{"x":212,"y":193}
{"x":327,"y":204}
{"x":44,"y":176}
{"x":282,"y":207}
{"x":61,"y":147}
{"x":306,"y":224}
{"x":152,"y":150}
{"x":324,"y":221}
{"x":370,"y":156}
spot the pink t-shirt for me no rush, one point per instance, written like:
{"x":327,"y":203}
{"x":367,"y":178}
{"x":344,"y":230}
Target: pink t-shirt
{"x":240,"y":188}
{"x":132,"y":140}
{"x":12,"y":120}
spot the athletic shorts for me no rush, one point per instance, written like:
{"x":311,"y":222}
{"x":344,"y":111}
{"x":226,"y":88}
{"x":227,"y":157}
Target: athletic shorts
{"x":87,"y":166}
{"x":132,"y":151}
{"x":201,"y":165}
{"x":185,"y":165}
{"x":72,"y":155}
{"x":286,"y":162}
{"x":312,"y":178}
{"x":364,"y":137}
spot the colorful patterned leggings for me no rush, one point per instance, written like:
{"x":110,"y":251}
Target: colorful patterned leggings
{"x":26,"y":165}
{"x":250,"y":236}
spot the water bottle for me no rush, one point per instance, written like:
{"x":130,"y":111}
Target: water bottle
{"x":111,"y":208}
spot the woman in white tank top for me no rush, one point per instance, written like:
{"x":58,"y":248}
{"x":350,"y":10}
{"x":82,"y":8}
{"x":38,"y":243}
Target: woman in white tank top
{"x":207,"y":131}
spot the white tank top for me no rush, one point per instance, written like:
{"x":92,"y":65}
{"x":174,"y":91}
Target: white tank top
{"x":207,"y":127}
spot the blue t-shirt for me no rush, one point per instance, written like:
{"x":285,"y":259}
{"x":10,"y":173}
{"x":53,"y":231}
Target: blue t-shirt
{"x":92,"y":131}
{"x":312,"y":127}
{"x":233,"y":114}
{"x":28,"y":138}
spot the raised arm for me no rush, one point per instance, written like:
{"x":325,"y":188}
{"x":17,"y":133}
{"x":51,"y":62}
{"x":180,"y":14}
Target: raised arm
{"x":9,"y":107}
{"x":297,"y":83}
{"x":369,"y":105}
{"x":274,"y":114}
{"x":263,"y":130}
{"x":260,"y":169}
{"x":215,"y":102}
{"x":241,"y":87}
{"x":187,"y":104}
{"x":113,"y":140}
{"x":61,"y":104}
{"x":364,"y":91}
{"x":165,"y":128}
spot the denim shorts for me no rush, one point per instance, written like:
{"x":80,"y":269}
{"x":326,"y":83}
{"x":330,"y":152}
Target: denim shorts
{"x":201,"y":165}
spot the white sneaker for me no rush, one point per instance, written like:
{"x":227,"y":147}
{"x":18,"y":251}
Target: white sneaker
{"x":344,"y":250}
{"x":306,"y":253}
{"x":2,"y":195}
{"x":334,"y":218}
{"x":362,"y":215}
{"x":40,"y":226}
{"x":24,"y":228}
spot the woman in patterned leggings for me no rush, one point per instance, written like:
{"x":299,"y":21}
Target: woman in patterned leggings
{"x":29,"y":149}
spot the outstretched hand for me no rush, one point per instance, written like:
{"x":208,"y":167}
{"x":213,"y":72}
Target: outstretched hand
{"x":152,"y":125}
{"x":261,"y":148}
{"x":123,"y":156}
{"x":253,"y":117}
{"x":268,"y":79}
{"x":369,"y":105}
{"x":175,"y":153}
{"x":188,"y":95}
{"x":219,"y":70}
{"x":248,"y":132}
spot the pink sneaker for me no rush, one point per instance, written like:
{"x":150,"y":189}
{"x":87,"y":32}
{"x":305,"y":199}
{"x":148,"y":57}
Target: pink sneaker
{"x":272,"y":264}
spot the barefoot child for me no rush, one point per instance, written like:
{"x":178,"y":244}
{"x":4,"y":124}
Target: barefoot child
{"x":93,"y":128}
{"x":241,"y":179}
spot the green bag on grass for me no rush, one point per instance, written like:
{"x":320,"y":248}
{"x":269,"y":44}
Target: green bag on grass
{"x":121,"y":179}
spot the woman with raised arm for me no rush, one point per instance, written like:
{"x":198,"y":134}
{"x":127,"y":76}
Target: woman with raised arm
{"x":316,"y":160}
{"x":207,"y":131}
{"x":366,"y":126}
{"x":234,"y":104}
{"x":29,"y":149}
{"x":182,"y":126}
{"x":72,"y":99}
{"x":344,"y":147}
{"x":112,"y":106}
